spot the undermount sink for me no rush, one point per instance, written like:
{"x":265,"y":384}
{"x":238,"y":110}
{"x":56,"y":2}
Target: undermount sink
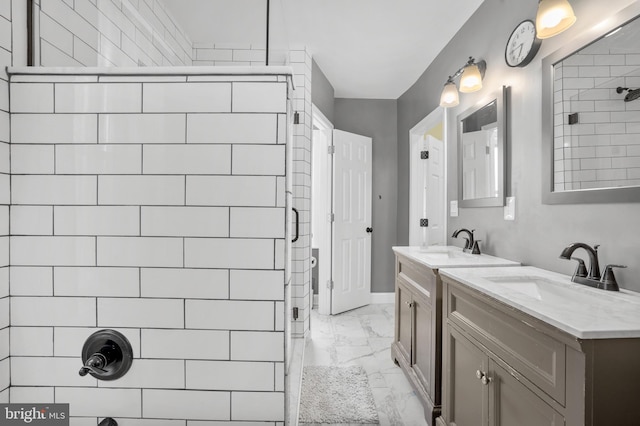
{"x":436,"y":249}
{"x":542,"y":289}
{"x":445,"y":253}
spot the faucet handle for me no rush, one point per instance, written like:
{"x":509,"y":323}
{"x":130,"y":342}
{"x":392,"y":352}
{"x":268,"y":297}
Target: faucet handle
{"x":89,"y":369}
{"x":581,"y":270}
{"x":614,"y":266}
{"x":95,"y":364}
{"x":476,"y":247}
{"x":608,"y":281}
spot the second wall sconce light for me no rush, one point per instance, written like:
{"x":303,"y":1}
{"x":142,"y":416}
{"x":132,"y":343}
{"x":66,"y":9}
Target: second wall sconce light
{"x":471,"y":75}
{"x":553,"y":17}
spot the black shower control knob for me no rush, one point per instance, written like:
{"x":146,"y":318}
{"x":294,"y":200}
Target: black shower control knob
{"x":106,"y":355}
{"x":369,"y":230}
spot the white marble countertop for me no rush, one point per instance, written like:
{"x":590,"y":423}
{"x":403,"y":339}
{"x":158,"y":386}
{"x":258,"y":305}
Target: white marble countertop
{"x":436,"y":257}
{"x":580,"y":310}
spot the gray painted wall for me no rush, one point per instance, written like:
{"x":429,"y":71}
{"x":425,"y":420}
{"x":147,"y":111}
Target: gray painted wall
{"x":540,"y":231}
{"x":377,"y":118}
{"x":322,"y":92}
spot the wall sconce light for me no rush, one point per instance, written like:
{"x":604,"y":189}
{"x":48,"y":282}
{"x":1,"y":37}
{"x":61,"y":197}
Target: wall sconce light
{"x":471,"y":74}
{"x":553,"y":17}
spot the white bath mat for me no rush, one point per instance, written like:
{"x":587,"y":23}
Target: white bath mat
{"x":336,"y":395}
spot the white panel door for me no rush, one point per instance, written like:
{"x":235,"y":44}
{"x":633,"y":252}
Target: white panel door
{"x":427,"y":192}
{"x":352,"y":226}
{"x":435,"y":191}
{"x":477,"y":163}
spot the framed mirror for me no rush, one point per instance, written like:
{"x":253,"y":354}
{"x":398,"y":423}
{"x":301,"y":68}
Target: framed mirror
{"x":591,"y":116}
{"x":481,"y":152}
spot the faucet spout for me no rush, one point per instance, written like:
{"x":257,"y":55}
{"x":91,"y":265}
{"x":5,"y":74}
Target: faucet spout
{"x":468,"y":244}
{"x":594,"y":267}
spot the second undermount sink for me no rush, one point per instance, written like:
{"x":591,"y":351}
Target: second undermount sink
{"x":541,"y":288}
{"x":444,"y":252}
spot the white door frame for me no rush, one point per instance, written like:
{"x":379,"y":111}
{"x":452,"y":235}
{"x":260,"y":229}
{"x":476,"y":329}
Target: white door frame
{"x":416,"y":134}
{"x":321,"y":185}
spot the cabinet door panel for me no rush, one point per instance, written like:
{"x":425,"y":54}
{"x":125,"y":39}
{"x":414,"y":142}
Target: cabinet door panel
{"x":538,"y":356}
{"x":423,"y":343}
{"x":403,"y":323}
{"x":467,"y":396}
{"x":513,"y":404}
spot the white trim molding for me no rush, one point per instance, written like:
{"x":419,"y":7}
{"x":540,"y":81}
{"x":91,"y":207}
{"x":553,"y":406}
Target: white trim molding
{"x":378,"y":298}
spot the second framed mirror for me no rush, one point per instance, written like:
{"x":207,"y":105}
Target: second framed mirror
{"x":482,"y":144}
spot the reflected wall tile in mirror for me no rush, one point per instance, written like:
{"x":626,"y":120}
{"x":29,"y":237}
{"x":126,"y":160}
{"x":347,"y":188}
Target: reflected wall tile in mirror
{"x":604,"y":125}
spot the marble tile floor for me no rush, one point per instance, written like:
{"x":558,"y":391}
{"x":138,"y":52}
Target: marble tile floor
{"x":363,"y":337}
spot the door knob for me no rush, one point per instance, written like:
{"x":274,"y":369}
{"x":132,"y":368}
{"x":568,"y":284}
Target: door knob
{"x":369,"y":230}
{"x":485,"y":380}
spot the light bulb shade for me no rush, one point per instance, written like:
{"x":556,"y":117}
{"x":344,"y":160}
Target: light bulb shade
{"x":449,"y":97}
{"x":554,"y":16}
{"x":471,"y":80}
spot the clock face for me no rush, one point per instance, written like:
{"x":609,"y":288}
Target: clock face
{"x":522,"y":45}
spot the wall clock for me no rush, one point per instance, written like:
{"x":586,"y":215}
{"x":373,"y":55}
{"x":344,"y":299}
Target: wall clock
{"x":522,"y":45}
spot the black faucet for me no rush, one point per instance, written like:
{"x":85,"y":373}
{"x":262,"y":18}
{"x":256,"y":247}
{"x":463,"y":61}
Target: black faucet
{"x":592,"y":276}
{"x":468,"y":242}
{"x":594,"y":267}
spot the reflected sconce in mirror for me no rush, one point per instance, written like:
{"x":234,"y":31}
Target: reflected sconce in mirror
{"x":553,"y":17}
{"x":471,"y":75}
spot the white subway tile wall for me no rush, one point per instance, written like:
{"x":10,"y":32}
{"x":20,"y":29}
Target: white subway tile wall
{"x":109,"y":33}
{"x":603,"y":145}
{"x":173,"y":234}
{"x":300,"y":61}
{"x":6,"y":59}
{"x":229,"y":54}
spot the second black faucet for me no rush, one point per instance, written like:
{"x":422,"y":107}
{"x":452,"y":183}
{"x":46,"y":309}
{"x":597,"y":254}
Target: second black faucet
{"x":470,"y":244}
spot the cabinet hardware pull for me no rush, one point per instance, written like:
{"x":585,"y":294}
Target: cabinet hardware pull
{"x":485,"y":380}
{"x":479,"y":374}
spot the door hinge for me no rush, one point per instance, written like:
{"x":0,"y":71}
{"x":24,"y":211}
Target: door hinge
{"x":295,"y":313}
{"x":331,"y":217}
{"x":331,"y":149}
{"x":424,"y":223}
{"x":330,"y":284}
{"x":424,"y":155}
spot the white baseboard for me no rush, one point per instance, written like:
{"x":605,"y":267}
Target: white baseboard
{"x":376,"y":298}
{"x":383,"y":298}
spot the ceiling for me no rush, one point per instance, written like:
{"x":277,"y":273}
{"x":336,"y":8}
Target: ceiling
{"x":373,"y":49}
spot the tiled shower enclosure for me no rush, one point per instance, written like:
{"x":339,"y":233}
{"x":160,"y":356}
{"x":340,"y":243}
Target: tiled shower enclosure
{"x":153,"y":204}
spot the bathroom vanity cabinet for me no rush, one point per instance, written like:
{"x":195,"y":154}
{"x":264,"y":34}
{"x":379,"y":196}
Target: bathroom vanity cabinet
{"x":502,"y":366}
{"x":417,"y":346}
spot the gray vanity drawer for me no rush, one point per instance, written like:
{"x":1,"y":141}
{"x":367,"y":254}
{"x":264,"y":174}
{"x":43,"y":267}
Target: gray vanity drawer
{"x":418,"y":276}
{"x":511,"y":336}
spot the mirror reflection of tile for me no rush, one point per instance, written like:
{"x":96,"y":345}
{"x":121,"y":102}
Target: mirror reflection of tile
{"x":596,"y":90}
